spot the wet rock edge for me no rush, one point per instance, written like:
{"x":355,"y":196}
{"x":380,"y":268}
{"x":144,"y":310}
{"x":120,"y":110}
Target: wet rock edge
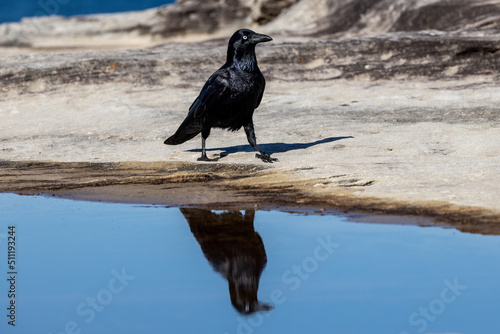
{"x":224,"y":186}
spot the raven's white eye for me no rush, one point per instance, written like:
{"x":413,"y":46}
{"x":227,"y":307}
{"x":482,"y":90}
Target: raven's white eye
{"x":245,"y":37}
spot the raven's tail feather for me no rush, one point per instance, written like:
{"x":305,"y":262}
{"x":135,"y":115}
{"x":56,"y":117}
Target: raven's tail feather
{"x":189,"y":128}
{"x":180,"y":137}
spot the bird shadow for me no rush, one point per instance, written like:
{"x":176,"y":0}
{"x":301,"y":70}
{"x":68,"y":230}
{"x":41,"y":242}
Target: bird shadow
{"x":272,"y":148}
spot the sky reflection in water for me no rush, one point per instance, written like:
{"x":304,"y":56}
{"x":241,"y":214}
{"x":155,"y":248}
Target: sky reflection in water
{"x":85,"y":267}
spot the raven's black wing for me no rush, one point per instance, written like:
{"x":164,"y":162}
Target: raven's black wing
{"x":214,"y":90}
{"x":262,"y":87}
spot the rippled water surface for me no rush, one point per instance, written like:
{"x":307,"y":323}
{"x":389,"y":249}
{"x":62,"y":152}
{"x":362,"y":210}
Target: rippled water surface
{"x":84,"y":267}
{"x":13,"y":11}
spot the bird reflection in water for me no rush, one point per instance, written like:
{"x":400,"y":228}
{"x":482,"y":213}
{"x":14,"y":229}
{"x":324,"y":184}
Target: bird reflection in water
{"x":233,"y":248}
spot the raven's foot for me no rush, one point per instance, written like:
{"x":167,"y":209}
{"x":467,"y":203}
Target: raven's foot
{"x":205,"y":158}
{"x":265,"y":157}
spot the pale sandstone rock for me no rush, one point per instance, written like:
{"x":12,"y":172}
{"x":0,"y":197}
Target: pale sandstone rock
{"x":370,"y":108}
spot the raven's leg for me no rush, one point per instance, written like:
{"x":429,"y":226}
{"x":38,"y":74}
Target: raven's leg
{"x":253,"y":141}
{"x":203,"y":153}
{"x":204,"y":135}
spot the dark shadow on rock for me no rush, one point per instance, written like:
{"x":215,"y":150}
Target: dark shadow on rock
{"x":234,"y":250}
{"x":272,"y":147}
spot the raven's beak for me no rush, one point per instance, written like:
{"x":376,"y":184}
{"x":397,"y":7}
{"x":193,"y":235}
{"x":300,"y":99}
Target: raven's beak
{"x":259,"y":38}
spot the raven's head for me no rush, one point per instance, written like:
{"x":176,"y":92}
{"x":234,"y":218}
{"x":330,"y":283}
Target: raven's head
{"x":242,"y":46}
{"x":247,"y":39}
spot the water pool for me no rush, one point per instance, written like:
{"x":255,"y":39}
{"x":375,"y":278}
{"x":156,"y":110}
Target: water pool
{"x":91,"y":267}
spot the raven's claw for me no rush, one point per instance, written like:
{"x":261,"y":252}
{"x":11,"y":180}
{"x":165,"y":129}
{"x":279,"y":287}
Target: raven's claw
{"x":266,"y":157}
{"x":205,"y":158}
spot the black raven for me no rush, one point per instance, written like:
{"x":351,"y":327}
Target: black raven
{"x":229,"y":97}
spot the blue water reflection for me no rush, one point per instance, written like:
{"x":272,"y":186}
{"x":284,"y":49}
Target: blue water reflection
{"x":233,"y":248}
{"x":85,"y":267}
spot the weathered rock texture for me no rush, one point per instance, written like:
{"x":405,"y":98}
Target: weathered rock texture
{"x":199,"y":18}
{"x":383,"y":105}
{"x":369,"y":17}
{"x":205,"y":19}
{"x":401,"y":57}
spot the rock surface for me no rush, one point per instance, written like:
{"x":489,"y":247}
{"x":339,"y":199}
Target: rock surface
{"x":206,"y":19}
{"x":371,"y":17}
{"x":385,"y":104}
